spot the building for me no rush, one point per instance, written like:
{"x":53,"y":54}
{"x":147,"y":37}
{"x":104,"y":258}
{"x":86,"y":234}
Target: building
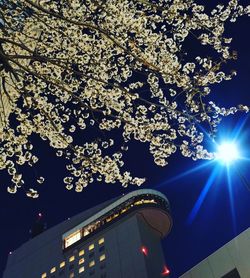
{"x":230,"y":261}
{"x":119,"y":238}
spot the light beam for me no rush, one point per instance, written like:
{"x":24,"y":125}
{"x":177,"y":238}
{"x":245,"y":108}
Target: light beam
{"x":227,"y":152}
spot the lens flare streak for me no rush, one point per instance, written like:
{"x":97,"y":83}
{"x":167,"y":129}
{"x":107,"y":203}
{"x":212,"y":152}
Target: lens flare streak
{"x":202,"y":196}
{"x":186,"y":173}
{"x":231,"y":199}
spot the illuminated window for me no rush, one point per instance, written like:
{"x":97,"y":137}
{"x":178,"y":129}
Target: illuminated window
{"x":101,"y":241}
{"x":62,"y":264}
{"x":81,"y":269}
{"x":72,"y":275}
{"x":53,"y":269}
{"x":71,"y":259}
{"x":44,"y":275}
{"x":124,"y":210}
{"x":81,"y":261}
{"x":91,"y":247}
{"x":102,"y":257}
{"x":81,"y":252}
{"x":85,"y":232}
{"x":109,"y":219}
{"x":92,"y":263}
{"x":71,"y":239}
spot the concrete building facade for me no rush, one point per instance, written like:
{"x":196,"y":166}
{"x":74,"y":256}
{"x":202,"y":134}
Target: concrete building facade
{"x":230,"y":261}
{"x":119,"y":238}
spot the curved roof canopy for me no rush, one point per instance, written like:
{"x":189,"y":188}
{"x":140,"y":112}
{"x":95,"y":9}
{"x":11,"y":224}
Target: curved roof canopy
{"x":152,"y":205}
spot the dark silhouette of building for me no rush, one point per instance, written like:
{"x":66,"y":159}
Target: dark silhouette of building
{"x":119,"y":238}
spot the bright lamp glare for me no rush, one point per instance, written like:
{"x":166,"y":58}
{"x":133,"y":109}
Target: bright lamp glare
{"x":227,"y":152}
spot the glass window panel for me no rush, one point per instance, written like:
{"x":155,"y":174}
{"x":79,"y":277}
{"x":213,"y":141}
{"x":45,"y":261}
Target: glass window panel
{"x":91,"y":246}
{"x":102,"y":265}
{"x":102,"y":257}
{"x":92,"y":263}
{"x":101,"y":241}
{"x":71,"y":239}
{"x":81,"y":261}
{"x":102,"y":248}
{"x":232,"y":274}
{"x":71,"y":259}
{"x":81,"y":253}
{"x":53,"y":269}
{"x":81,"y":269}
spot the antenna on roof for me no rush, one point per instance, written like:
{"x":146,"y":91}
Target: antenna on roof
{"x":39,"y":226}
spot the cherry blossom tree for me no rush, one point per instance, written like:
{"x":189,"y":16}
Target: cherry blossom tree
{"x":91,"y":76}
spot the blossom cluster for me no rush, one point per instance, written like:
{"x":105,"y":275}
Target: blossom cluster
{"x":89,"y":77}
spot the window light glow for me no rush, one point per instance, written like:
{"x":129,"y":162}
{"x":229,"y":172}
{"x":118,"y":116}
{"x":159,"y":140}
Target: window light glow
{"x":44,"y":275}
{"x":81,"y":253}
{"x":227,"y":152}
{"x":102,"y":257}
{"x":81,"y":261}
{"x":72,"y":275}
{"x":91,"y":247}
{"x":53,"y":269}
{"x":71,"y":259}
{"x":71,"y":239}
{"x":85,"y":232}
{"x":92,"y":263}
{"x":101,"y":241}
{"x":81,"y":269}
{"x":62,"y":264}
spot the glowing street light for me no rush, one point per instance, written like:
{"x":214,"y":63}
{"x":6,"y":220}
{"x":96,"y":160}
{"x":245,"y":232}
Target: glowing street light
{"x":227,"y":152}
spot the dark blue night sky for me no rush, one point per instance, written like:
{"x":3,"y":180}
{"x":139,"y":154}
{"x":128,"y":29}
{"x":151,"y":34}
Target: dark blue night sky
{"x":210,"y":203}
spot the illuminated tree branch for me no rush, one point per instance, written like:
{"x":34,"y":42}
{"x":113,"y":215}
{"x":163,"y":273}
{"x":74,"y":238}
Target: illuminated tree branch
{"x":89,"y":78}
